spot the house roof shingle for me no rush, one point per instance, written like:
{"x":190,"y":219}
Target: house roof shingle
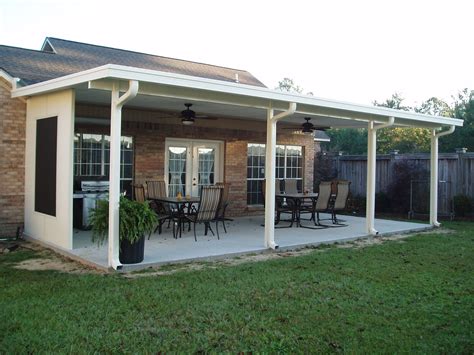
{"x":70,"y":57}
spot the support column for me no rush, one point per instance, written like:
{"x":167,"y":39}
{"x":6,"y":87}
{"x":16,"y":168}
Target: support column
{"x":270,"y":156}
{"x":371,"y":173}
{"x":114,"y":178}
{"x":371,"y":169}
{"x":114,"y":174}
{"x":434,"y":175}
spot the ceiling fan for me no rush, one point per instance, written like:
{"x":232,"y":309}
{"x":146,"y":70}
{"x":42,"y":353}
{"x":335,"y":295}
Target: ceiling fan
{"x":188,"y":116}
{"x":308,"y":127}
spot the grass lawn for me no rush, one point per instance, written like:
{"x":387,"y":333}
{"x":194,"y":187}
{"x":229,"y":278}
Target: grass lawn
{"x":414,"y":295}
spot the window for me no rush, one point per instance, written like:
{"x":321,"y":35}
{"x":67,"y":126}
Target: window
{"x":255,"y":172}
{"x":92,"y":158}
{"x":289,"y":165}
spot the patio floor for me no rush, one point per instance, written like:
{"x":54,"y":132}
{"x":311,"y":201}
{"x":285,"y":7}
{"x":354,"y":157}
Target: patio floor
{"x":244,"y":235}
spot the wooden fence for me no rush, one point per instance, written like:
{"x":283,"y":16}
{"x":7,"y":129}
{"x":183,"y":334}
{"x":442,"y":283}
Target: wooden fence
{"x":456,"y":171}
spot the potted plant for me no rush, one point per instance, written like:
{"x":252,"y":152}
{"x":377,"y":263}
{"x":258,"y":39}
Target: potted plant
{"x":136,"y":220}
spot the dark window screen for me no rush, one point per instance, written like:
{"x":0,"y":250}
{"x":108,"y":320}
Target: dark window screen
{"x":45,"y":169}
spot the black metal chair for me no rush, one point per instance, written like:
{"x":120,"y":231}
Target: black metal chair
{"x":157,"y":189}
{"x":207,"y":209}
{"x":139,"y":194}
{"x":281,"y":207}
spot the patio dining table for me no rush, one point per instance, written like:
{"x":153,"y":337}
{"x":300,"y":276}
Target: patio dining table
{"x":298,"y":199}
{"x":180,"y":205}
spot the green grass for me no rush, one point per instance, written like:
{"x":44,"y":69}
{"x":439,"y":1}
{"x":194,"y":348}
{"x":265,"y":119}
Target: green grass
{"x":415,"y":296}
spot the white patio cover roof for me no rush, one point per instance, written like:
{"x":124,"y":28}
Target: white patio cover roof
{"x":167,"y":91}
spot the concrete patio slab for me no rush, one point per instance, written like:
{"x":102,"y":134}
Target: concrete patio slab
{"x":244,"y":235}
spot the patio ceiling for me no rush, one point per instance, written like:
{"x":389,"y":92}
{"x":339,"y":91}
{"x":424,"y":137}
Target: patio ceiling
{"x":169,"y":92}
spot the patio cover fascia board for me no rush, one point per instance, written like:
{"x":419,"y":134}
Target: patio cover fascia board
{"x":201,"y":89}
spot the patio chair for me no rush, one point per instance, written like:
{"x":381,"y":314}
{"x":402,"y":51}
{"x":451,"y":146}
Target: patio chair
{"x":157,"y":189}
{"x":340,"y":202}
{"x":139,"y":194}
{"x":291,"y":186}
{"x":280,"y":205}
{"x":223,"y":204}
{"x":321,"y":204}
{"x":207,"y":209}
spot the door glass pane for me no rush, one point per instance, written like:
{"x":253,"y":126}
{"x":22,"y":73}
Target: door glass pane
{"x":206,"y":159}
{"x":177,"y":170}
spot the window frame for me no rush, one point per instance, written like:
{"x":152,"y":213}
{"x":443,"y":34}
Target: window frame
{"x":255,"y":182}
{"x":79,"y":149}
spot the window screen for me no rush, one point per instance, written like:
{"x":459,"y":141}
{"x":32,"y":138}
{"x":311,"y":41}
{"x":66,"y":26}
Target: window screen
{"x":45,"y":165}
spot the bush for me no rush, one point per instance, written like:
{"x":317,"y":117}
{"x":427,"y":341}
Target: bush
{"x":324,"y":169}
{"x":462,"y":205}
{"x":382,"y":202}
{"x":357,"y":204}
{"x":399,"y":190}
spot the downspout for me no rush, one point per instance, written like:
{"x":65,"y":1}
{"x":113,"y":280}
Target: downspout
{"x":114,"y":189}
{"x":270,"y":173}
{"x":371,"y":164}
{"x":434,"y":175}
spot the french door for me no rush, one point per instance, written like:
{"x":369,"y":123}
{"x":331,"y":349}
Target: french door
{"x":189,"y":165}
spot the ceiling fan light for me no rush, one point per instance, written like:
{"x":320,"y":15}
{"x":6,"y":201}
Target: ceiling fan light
{"x":187,"y":121}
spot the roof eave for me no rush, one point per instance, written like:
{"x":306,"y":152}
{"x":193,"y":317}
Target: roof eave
{"x":256,"y":96}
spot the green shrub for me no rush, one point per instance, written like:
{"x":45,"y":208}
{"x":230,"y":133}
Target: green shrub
{"x":136,"y":220}
{"x":357,"y":204}
{"x":399,"y":190}
{"x":382,"y":202}
{"x":462,"y":205}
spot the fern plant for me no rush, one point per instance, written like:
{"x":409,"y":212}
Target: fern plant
{"x":136,"y":220}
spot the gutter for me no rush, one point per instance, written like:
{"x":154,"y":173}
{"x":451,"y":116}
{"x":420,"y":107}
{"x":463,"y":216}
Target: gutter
{"x":434,"y":175}
{"x":445,"y":133}
{"x":270,"y":170}
{"x":391,"y":122}
{"x":291,"y":110}
{"x":114,"y":192}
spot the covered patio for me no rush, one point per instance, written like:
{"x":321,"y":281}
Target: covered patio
{"x":244,"y":237}
{"x":242,"y":106}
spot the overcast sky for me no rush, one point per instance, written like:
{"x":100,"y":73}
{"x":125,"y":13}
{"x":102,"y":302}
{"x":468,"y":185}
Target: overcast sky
{"x":345,"y":50}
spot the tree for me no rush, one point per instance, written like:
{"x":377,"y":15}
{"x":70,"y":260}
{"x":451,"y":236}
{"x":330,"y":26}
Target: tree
{"x":405,"y":140}
{"x":289,"y":85}
{"x":435,"y":107}
{"x":394,"y":102}
{"x":348,"y":140}
{"x":463,"y":137}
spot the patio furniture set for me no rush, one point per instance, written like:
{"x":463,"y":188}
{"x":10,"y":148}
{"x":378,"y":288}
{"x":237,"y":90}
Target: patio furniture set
{"x":210,"y":206}
{"x":331,"y":198}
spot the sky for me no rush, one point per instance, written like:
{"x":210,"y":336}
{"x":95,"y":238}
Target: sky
{"x":355,"y":51}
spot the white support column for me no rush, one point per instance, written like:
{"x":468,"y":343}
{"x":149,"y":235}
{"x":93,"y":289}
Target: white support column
{"x":114,"y":175}
{"x":434,"y":175}
{"x":270,"y":156}
{"x":371,"y":164}
{"x":371,"y":173}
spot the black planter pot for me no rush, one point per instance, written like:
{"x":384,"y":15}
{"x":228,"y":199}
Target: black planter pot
{"x":132,"y":253}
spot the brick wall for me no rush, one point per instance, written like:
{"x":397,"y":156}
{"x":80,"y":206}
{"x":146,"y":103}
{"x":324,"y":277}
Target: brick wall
{"x":12,"y":160}
{"x":149,"y":138}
